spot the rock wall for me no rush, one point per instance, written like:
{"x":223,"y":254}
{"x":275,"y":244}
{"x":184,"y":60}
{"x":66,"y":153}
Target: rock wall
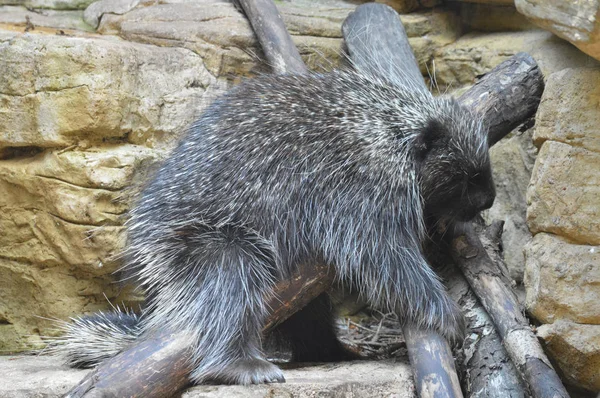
{"x":562,"y":275}
{"x":93,"y":96}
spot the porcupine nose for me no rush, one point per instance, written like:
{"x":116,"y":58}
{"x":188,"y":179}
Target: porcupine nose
{"x":487,"y":198}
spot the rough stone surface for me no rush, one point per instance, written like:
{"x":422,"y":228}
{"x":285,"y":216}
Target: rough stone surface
{"x":36,"y":376}
{"x":512,"y":162}
{"x":59,"y":91}
{"x":21,"y":16}
{"x":53,"y":4}
{"x":42,"y":376}
{"x":563,"y":196}
{"x":82,"y":119}
{"x":555,"y":270}
{"x":575,"y":21}
{"x":570,"y":109}
{"x":222,"y":36}
{"x":477,"y":53}
{"x":351,"y":379}
{"x":95,"y":11}
{"x":486,"y":17}
{"x":576,"y":349}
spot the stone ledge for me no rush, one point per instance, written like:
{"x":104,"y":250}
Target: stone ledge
{"x":43,"y":376}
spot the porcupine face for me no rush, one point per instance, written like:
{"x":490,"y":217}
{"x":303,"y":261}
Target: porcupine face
{"x":454,"y":170}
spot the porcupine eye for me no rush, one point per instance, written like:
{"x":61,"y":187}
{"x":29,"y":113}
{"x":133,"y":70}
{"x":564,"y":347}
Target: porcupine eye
{"x":428,"y":138}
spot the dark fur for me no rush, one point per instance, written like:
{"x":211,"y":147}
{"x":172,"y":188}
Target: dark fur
{"x":338,"y":167}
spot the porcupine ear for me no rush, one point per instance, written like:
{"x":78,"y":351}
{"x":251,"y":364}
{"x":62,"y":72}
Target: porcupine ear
{"x":431,"y":134}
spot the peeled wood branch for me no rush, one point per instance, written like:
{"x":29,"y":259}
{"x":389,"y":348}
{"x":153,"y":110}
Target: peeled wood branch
{"x":160,"y":367}
{"x":276,"y":42}
{"x":487,"y":281}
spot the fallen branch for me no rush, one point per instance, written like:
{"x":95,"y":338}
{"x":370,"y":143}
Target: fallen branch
{"x":160,"y":367}
{"x":487,"y":281}
{"x":276,"y":42}
{"x":484,"y":366}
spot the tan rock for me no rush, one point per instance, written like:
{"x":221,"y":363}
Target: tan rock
{"x":563,"y":196}
{"x":493,"y":2}
{"x":575,"y":21}
{"x":570,"y":109}
{"x":61,"y":215}
{"x":43,"y":18}
{"x":95,"y":11}
{"x":223,"y":37}
{"x":58,"y":91}
{"x":512,"y":163}
{"x":476,"y":53}
{"x":576,"y":350}
{"x":53,"y":4}
{"x":554,"y":270}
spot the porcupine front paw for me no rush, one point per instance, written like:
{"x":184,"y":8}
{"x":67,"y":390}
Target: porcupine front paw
{"x":252,"y":371}
{"x":451,"y":322}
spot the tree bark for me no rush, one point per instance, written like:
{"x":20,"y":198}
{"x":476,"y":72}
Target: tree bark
{"x":276,"y":42}
{"x":487,"y":280}
{"x":484,"y":366}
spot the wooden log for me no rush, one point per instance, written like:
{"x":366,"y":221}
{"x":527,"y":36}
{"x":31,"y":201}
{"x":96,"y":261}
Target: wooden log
{"x":160,"y":366}
{"x":432,"y":363}
{"x":484,"y":367}
{"x":507,"y":96}
{"x":377,"y":43}
{"x":276,"y":42}
{"x":487,"y":281}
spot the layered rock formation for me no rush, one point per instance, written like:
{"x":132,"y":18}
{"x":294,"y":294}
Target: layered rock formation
{"x":92,"y":96}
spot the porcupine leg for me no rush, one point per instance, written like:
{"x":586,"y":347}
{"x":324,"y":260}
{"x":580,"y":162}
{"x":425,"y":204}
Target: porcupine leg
{"x":411,"y":288}
{"x":215,"y":290}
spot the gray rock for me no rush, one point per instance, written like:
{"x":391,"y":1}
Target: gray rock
{"x":512,"y":162}
{"x":36,"y":376}
{"x":43,"y":376}
{"x":347,"y":379}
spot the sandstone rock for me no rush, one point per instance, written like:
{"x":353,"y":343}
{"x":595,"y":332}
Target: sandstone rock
{"x":42,"y":376}
{"x":95,"y":11}
{"x":53,"y":4}
{"x":576,"y":350}
{"x":61,"y":214}
{"x":512,"y":162}
{"x":46,"y":18}
{"x":555,"y":270}
{"x":36,"y":376}
{"x":575,"y":21}
{"x":563,"y":196}
{"x":223,"y":37}
{"x":74,"y":113}
{"x":570,"y":109}
{"x":475,"y":54}
{"x":406,"y":6}
{"x":494,"y":2}
{"x":60,"y":91}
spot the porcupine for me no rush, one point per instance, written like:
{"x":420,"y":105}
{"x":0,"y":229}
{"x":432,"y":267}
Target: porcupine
{"x":340,"y":167}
